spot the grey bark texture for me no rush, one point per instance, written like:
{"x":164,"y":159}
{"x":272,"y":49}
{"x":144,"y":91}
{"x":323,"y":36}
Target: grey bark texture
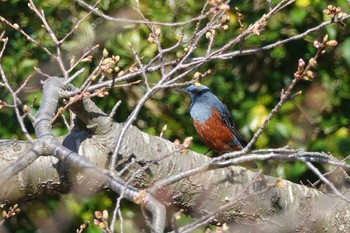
{"x":249,"y":201}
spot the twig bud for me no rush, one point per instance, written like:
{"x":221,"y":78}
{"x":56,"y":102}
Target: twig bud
{"x":224,"y":7}
{"x":225,"y":27}
{"x":197,"y":75}
{"x":297,"y":75}
{"x":98,"y":214}
{"x":157,"y":31}
{"x":163,"y":130}
{"x":150,"y":38}
{"x":105,"y":214}
{"x":317,"y":44}
{"x":4,"y":214}
{"x":187,"y":142}
{"x":25,"y":108}
{"x":301,"y":63}
{"x":332,"y":43}
{"x":325,"y":38}
{"x":87,"y":59}
{"x":177,"y":142}
{"x":312,"y":62}
{"x":121,"y":73}
{"x":93,"y":77}
{"x":116,"y":58}
{"x":105,"y":53}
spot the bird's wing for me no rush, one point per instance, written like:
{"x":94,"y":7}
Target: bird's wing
{"x":227,"y":120}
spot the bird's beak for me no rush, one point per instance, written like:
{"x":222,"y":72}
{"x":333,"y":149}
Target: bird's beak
{"x":182,"y":90}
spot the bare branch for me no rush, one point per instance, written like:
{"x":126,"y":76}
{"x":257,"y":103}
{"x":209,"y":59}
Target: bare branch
{"x":114,"y":109}
{"x":84,"y":55}
{"x":58,"y":56}
{"x":16,"y":101}
{"x":76,"y":26}
{"x":119,"y":20}
{"x":30,"y":39}
{"x":327,"y":182}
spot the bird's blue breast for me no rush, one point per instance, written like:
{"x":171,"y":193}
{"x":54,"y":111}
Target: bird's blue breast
{"x":200,"y":112}
{"x":202,"y":106}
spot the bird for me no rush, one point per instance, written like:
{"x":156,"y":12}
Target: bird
{"x":212,"y":120}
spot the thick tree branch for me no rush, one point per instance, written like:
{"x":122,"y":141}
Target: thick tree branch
{"x":200,"y":194}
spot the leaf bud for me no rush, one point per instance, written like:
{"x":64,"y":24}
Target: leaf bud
{"x":301,"y":63}
{"x":105,"y":53}
{"x":325,"y":38}
{"x":105,"y":214}
{"x":312,"y":62}
{"x":98,"y":214}
{"x":332,"y":43}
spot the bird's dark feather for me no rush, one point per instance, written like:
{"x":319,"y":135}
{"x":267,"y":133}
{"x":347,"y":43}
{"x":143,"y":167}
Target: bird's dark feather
{"x":227,"y":120}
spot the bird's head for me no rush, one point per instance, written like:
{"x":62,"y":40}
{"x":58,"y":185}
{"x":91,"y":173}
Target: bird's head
{"x":195,"y":90}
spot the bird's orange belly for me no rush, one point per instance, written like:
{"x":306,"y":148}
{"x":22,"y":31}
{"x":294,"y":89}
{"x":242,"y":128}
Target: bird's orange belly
{"x":215,"y":134}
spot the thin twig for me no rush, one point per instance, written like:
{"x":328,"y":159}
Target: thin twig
{"x":58,"y":56}
{"x":29,"y":38}
{"x":120,"y":20}
{"x":138,"y":60}
{"x":14,"y":96}
{"x":327,"y":182}
{"x":23,"y":84}
{"x":77,"y":25}
{"x":76,"y":74}
{"x":82,"y":57}
{"x":114,"y":109}
{"x":241,"y":195}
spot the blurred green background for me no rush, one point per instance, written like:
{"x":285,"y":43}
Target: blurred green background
{"x":250,"y":86}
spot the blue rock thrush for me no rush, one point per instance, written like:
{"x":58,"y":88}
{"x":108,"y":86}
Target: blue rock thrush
{"x":212,"y":120}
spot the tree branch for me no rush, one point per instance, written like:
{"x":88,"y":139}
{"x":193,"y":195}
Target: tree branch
{"x":199,"y":194}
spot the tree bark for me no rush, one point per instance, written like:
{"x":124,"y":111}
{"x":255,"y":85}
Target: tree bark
{"x":249,"y":201}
